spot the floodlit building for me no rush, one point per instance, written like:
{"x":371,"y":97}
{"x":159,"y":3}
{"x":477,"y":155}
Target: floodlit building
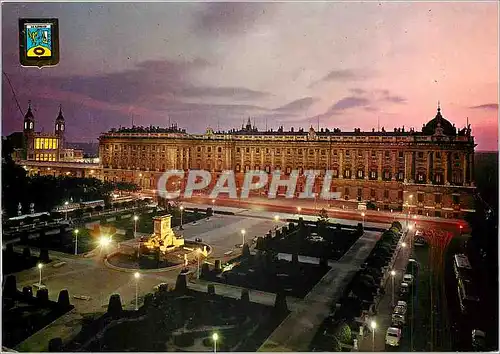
{"x":427,"y":172}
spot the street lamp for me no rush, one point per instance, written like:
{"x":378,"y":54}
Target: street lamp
{"x":137,"y":275}
{"x":276,"y":218}
{"x":66,"y":208}
{"x":40,"y":266}
{"x":298,"y":210}
{"x":393,"y":274}
{"x":135,"y":225}
{"x":410,"y":227}
{"x":403,"y":245}
{"x":213,"y":202}
{"x":363,"y":215}
{"x":198,"y":251}
{"x":181,"y":208}
{"x":76,"y":242}
{"x":243,"y":235}
{"x":373,"y":326}
{"x":215,"y":338}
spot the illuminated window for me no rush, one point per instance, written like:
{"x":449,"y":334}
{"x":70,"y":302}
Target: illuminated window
{"x":360,"y":173}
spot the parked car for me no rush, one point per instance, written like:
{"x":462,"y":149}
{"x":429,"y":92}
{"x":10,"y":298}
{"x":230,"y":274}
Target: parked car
{"x":398,"y":319}
{"x":408,"y":278}
{"x":403,"y":304}
{"x":404,"y":289}
{"x":478,"y":339}
{"x":198,"y":239}
{"x":400,"y":310}
{"x":393,"y":336}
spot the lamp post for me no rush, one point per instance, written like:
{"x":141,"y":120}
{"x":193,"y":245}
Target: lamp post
{"x":182,"y":209}
{"x":137,"y":275}
{"x":76,"y":242}
{"x":363,"y":215}
{"x":215,"y":337}
{"x":393,"y":274}
{"x":403,"y":245}
{"x":243,"y":237}
{"x":373,"y":326}
{"x":66,"y":208}
{"x":40,"y":266}
{"x":198,"y":251}
{"x":298,"y":210}
{"x":135,"y":225}
{"x":213,"y":202}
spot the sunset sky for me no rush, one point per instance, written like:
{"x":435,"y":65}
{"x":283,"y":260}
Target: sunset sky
{"x":216,"y":64}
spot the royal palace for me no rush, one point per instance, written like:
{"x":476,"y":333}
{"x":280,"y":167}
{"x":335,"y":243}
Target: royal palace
{"x":426,"y":172}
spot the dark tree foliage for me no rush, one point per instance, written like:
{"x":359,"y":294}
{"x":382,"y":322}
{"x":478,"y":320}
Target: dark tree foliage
{"x":10,"y":287}
{"x":115,"y":305}
{"x":211,"y":289}
{"x":245,"y":252}
{"x":55,"y":345}
{"x":63,"y":299}
{"x":280,"y":304}
{"x":245,"y":296}
{"x":181,"y":283}
{"x":26,"y":252}
{"x":44,"y":255}
{"x":43,"y":295}
{"x":9,"y":249}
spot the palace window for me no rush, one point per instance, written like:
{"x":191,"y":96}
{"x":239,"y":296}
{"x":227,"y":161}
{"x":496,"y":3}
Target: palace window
{"x":420,"y":197}
{"x":163,"y":148}
{"x":456,"y":156}
{"x":346,"y":191}
{"x":401,"y":176}
{"x":300,"y":151}
{"x":386,"y":194}
{"x":278,"y":151}
{"x":323,"y":152}
{"x":372,"y":192}
{"x":209,"y":149}
{"x":420,"y":177}
{"x":374,"y":153}
{"x":438,"y":155}
{"x":288,"y":170}
{"x":347,"y":153}
{"x":360,"y":153}
{"x":335,"y":173}
{"x":360,"y":173}
{"x":438,"y":178}
{"x":143,"y":148}
{"x":257,"y":168}
{"x":311,"y":151}
{"x":237,"y":150}
{"x":437,"y":198}
{"x":288,"y":151}
{"x":387,"y":154}
{"x":456,"y":199}
{"x":116,"y":147}
{"x":154,"y":148}
{"x":401,"y":154}
{"x":373,"y":174}
{"x":247,"y":150}
{"x":268,"y":169}
{"x":267,"y":151}
{"x":360,"y":192}
{"x":456,"y":177}
{"x":400,"y":195}
{"x":257,"y":150}
{"x":334,"y":152}
{"x":237,"y":167}
{"x":219,"y":149}
{"x":347,"y":173}
{"x":387,"y":175}
{"x":420,"y":155}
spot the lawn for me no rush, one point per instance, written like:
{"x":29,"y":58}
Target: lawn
{"x":181,"y":321}
{"x":266,"y":273}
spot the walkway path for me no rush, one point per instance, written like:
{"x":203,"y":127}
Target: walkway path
{"x":298,"y":330}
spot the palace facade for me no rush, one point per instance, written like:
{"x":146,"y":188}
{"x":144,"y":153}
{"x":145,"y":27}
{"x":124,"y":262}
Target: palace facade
{"x":427,"y":172}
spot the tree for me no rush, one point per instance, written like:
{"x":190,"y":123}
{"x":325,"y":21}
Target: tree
{"x":181,"y":283}
{"x":343,"y":333}
{"x":10,"y":287}
{"x":115,"y":305}
{"x":55,"y":345}
{"x":63,"y":299}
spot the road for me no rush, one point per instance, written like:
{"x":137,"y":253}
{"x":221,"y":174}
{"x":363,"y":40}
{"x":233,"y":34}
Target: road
{"x":309,"y":207}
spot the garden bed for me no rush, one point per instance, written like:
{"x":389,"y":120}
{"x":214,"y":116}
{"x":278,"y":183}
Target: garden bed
{"x":308,"y":239}
{"x":266,"y":273}
{"x":23,"y":315}
{"x":180,"y":321}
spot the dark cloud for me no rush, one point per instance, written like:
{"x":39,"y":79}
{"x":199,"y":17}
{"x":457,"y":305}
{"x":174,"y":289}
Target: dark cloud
{"x":486,"y":107}
{"x":343,"y":75}
{"x":297,"y":105}
{"x":230,"y":92}
{"x":349,"y":102}
{"x":229,"y":17}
